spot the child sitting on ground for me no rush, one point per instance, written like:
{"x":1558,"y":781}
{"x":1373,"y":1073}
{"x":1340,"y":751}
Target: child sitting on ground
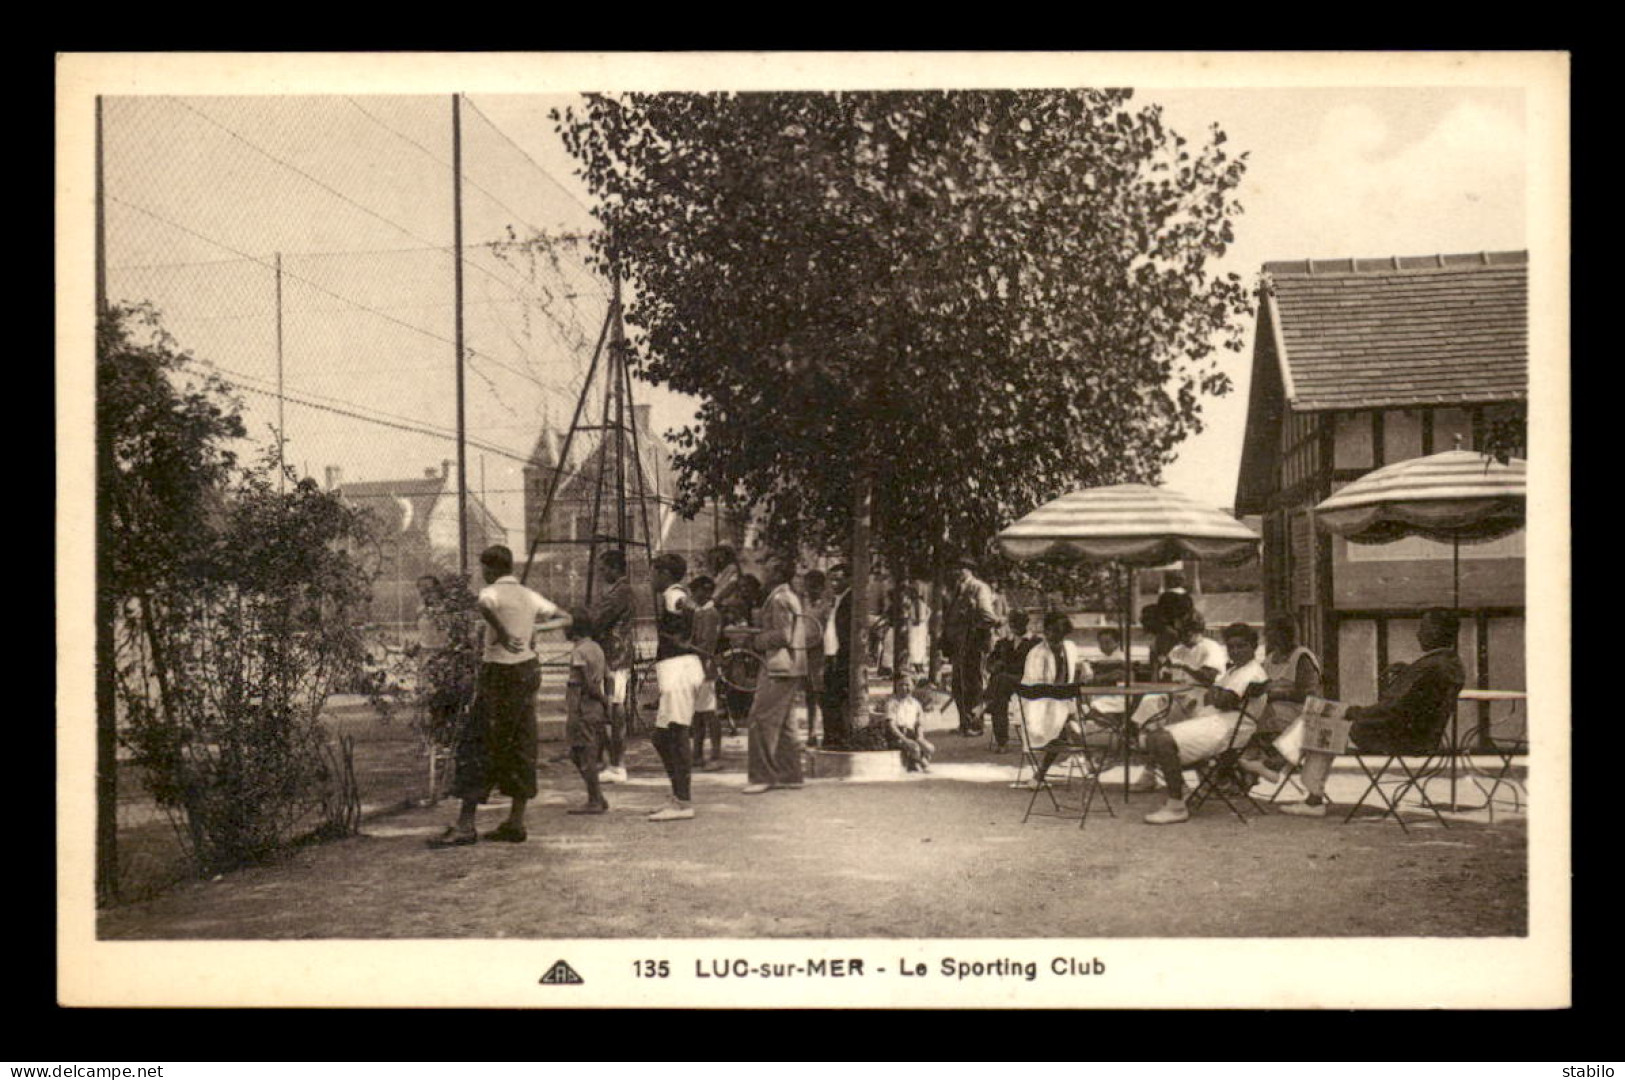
{"x":904,"y":717}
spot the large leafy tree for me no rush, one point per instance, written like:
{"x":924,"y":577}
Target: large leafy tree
{"x":961,"y":303}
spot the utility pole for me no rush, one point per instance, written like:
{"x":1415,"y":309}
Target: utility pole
{"x":281,"y":424}
{"x":106,"y":713}
{"x":457,"y":244}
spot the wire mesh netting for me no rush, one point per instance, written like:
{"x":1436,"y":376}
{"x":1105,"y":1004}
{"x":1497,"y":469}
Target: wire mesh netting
{"x":304,"y":249}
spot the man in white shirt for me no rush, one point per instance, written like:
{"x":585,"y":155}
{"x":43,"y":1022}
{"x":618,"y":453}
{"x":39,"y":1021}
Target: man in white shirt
{"x":774,"y":749}
{"x":1198,"y":660}
{"x":497,"y":745}
{"x":1220,"y":722}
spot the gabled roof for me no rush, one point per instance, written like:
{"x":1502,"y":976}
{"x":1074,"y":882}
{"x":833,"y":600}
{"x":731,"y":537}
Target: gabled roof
{"x":1381,"y":333}
{"x":1426,"y":330}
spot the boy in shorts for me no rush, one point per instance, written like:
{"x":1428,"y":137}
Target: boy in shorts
{"x":586,"y":708}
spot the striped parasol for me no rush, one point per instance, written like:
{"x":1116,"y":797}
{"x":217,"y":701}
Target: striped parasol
{"x":1459,"y":496}
{"x":1131,"y":524}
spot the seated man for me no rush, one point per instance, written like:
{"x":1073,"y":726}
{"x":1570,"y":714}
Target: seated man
{"x":1407,"y":719}
{"x":1108,"y":671}
{"x":1208,"y":731}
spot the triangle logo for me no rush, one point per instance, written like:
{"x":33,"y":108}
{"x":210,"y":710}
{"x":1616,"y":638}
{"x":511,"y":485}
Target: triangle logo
{"x":561,"y":974}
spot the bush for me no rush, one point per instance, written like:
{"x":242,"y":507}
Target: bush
{"x":236,"y":610}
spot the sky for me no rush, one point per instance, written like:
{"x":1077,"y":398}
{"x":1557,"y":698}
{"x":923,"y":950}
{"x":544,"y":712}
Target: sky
{"x":356,"y":194}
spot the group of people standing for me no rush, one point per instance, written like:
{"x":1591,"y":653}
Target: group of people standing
{"x":803,"y":639}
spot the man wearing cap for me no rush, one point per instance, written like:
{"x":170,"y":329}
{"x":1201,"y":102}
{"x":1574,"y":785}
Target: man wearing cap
{"x":968,"y":633}
{"x":497,"y":745}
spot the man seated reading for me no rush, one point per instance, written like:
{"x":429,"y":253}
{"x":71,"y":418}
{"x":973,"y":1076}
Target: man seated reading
{"x":1408,"y":718}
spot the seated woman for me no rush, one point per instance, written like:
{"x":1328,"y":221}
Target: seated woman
{"x":1052,"y":722}
{"x":1408,"y":718}
{"x":1208,"y":731}
{"x":1198,"y":660}
{"x":1294,"y":674}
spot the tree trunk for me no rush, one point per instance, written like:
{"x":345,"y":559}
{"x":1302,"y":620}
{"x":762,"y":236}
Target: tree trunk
{"x":857,"y":686}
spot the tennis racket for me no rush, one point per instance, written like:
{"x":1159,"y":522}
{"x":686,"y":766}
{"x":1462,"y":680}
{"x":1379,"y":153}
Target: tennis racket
{"x":740,"y":667}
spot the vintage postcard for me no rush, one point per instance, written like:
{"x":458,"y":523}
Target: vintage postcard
{"x":782,"y":530}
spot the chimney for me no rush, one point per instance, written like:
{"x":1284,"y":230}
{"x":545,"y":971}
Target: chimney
{"x":335,"y":477}
{"x":445,"y":468}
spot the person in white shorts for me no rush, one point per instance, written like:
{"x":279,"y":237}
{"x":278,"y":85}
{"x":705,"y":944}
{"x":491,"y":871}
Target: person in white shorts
{"x":679,"y":674}
{"x":1209,"y":732}
{"x":1198,"y":660}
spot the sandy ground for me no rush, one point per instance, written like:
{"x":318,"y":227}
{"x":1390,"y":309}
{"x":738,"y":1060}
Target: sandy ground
{"x":917,"y":857}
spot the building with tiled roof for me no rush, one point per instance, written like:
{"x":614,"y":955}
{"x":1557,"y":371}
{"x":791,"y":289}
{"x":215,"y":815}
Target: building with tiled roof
{"x":1359,"y":363}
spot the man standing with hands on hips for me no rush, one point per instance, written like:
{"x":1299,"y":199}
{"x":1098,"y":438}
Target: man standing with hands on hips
{"x":775,"y":751}
{"x":497,"y":745}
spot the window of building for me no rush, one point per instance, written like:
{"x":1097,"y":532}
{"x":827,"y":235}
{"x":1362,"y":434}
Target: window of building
{"x":1353,"y":442}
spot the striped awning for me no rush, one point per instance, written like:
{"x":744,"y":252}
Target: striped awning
{"x":1128,"y":523}
{"x":1459,"y":495}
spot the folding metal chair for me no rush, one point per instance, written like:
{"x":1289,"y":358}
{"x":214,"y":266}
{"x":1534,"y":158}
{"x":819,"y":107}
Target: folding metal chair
{"x":1080,"y":767}
{"x":1222,"y":774}
{"x":1432,"y":746}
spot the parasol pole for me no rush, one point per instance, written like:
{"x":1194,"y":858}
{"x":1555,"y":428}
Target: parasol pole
{"x":1128,"y":664}
{"x":1455,"y":572}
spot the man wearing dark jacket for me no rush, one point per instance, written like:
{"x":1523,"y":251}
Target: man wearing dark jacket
{"x":1409,"y":716}
{"x":837,"y":661}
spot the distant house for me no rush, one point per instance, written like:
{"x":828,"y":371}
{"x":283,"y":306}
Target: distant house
{"x":1360,"y":363}
{"x":415,"y":528}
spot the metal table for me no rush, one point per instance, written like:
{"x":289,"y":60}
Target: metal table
{"x":1456,"y":760}
{"x":1131,"y":695}
{"x":1481,"y":737}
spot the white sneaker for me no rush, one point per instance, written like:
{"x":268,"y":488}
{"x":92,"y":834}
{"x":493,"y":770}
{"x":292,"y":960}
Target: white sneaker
{"x":755,"y":789}
{"x":1173,"y":812}
{"x":612,"y":774}
{"x":1260,"y":770}
{"x":1303,"y":809}
{"x":677,"y":811}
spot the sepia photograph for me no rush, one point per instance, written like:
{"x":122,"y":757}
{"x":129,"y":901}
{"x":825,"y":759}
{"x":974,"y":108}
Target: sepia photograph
{"x":813,"y":530}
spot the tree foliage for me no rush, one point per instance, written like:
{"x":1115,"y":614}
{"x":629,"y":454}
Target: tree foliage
{"x":977,"y":300}
{"x":237,"y":604}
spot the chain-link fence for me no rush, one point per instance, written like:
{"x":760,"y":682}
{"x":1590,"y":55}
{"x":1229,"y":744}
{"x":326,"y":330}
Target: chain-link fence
{"x":305,"y":249}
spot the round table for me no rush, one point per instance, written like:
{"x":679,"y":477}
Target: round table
{"x":1459,"y":758}
{"x":1131,"y":695}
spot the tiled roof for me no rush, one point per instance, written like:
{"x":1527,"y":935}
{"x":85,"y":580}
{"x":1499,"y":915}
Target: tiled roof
{"x":1432,"y":330}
